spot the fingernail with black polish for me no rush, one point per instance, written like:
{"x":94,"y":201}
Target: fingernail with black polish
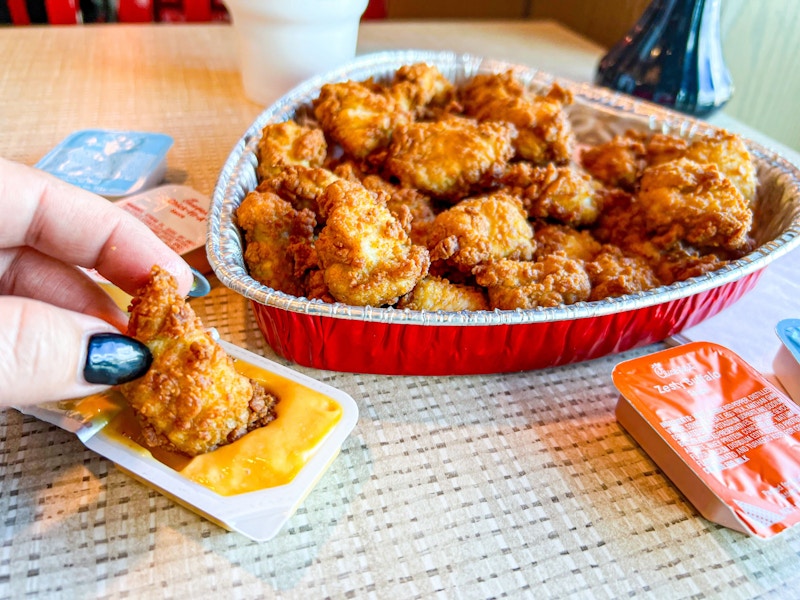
{"x":200,"y":285}
{"x":114,"y":358}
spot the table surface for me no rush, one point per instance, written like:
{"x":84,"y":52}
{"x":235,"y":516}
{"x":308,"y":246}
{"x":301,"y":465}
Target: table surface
{"x":475,"y":487}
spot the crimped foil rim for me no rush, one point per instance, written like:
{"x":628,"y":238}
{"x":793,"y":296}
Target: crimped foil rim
{"x":224,"y":244}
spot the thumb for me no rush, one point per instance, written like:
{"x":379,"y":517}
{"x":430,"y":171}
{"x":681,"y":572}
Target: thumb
{"x":50,"y":353}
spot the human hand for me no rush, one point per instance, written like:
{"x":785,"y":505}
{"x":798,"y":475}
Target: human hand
{"x":51,"y":311}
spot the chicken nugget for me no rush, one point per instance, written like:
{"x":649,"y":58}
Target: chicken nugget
{"x":567,"y":194}
{"x":366,"y":255}
{"x":420,"y":86}
{"x":287,"y":143}
{"x":695,"y":203}
{"x":192,"y":399}
{"x":545,"y":133}
{"x":618,"y":162}
{"x":272,"y":226}
{"x":483,"y":229}
{"x":450,"y":158}
{"x":360,"y":116}
{"x":724,"y":149}
{"x":614,"y":273}
{"x":436,"y":293}
{"x":553,"y":281}
{"x":552,"y":238}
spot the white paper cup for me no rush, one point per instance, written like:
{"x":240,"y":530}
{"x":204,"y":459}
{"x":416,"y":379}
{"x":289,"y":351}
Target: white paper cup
{"x":283,"y":42}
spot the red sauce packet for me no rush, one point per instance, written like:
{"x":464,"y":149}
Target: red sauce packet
{"x":727,"y":437}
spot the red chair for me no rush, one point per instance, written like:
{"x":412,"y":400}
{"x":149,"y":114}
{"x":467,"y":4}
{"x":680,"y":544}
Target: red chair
{"x":135,"y":11}
{"x":376,"y":9}
{"x":171,"y":11}
{"x":63,"y":12}
{"x":59,"y":12}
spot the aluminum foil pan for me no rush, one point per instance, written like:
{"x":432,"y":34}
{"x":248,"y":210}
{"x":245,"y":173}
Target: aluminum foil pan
{"x":504,"y":337}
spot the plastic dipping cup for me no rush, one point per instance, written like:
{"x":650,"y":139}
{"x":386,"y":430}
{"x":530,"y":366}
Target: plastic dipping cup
{"x":283,"y":42}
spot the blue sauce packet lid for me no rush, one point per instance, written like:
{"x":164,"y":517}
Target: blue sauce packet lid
{"x":109,"y":163}
{"x":789,"y":332}
{"x":786,"y":363}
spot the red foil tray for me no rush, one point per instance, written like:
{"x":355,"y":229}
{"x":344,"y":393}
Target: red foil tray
{"x":398,"y":342}
{"x":336,"y":344}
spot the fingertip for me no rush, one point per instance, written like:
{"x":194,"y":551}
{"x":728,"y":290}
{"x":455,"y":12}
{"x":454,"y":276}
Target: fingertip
{"x":47,"y":350}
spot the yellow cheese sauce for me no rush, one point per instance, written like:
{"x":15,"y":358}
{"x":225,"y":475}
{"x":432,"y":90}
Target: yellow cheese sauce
{"x":266,"y":457}
{"x":92,"y":408}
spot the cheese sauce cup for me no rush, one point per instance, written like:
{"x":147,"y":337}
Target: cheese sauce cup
{"x":251,"y":486}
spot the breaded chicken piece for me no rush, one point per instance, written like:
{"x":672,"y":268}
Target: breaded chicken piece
{"x":622,"y":224}
{"x":271,"y":228}
{"x":405,"y":203}
{"x":729,"y":153}
{"x":545,"y":133}
{"x":450,"y":158}
{"x":566,"y":194}
{"x":287,"y":143}
{"x":366,"y":256}
{"x":568,"y":241}
{"x":300,"y":186}
{"x":614,"y":273}
{"x":419,"y":86}
{"x":662,"y":147}
{"x":670,"y":257}
{"x":192,"y":400}
{"x":412,"y":208}
{"x":483,"y":229}
{"x":553,"y":281}
{"x":695,"y":203}
{"x":680,"y":262}
{"x":724,"y":149}
{"x":436,"y":293}
{"x":618,"y":162}
{"x":360,"y":116}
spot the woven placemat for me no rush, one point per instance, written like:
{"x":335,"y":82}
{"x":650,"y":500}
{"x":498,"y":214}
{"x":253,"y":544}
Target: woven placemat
{"x":516,"y":485}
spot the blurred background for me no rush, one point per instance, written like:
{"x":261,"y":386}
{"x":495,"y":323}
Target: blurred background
{"x":760,"y":45}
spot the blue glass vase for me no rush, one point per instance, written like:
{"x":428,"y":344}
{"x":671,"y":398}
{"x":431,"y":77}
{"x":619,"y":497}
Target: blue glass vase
{"x":672,"y":56}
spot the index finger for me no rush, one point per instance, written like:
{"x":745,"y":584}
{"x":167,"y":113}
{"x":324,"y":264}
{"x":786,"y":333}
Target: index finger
{"x":78,"y":227}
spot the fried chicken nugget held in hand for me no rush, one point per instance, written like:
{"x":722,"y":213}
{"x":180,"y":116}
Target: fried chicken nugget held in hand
{"x":553,"y":281}
{"x":192,"y":400}
{"x":366,"y":255}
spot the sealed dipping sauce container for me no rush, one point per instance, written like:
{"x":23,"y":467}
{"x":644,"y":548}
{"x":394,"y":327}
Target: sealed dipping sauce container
{"x":726,"y":436}
{"x":109,"y":163}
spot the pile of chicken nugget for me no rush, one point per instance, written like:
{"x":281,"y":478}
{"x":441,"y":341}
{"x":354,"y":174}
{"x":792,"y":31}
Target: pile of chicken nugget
{"x":421,"y":194}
